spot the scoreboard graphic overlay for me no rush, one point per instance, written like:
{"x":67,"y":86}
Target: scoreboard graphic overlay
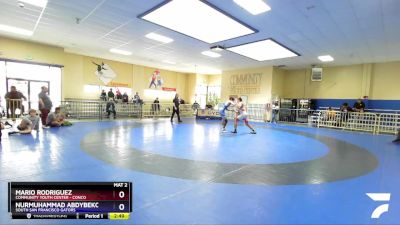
{"x":70,"y":200}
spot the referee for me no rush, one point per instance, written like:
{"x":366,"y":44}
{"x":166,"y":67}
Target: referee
{"x":175,"y":108}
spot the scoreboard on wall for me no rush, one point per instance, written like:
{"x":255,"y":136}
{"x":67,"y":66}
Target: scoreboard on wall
{"x":70,"y":200}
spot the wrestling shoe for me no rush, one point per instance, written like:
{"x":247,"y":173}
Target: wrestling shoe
{"x":234,"y":132}
{"x":253,"y":132}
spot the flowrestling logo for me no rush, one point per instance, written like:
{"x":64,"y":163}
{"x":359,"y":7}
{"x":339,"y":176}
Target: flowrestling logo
{"x":379,"y":197}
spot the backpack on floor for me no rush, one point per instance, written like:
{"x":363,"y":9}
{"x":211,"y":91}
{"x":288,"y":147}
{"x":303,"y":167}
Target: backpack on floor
{"x":67,"y":123}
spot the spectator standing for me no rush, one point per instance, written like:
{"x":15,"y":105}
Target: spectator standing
{"x":14,"y":101}
{"x":136,"y":98}
{"x":175,"y":108}
{"x":110,"y":108}
{"x":125,"y":98}
{"x":118,"y":95}
{"x":2,"y":113}
{"x":110,"y":94}
{"x":345,"y":108}
{"x":275,"y":112}
{"x":195,"y":106}
{"x":45,"y":105}
{"x":137,"y":105}
{"x":103,"y":95}
{"x":156,"y":106}
{"x":331,"y":114}
{"x":1,"y":128}
{"x":332,"y":117}
{"x":359,"y":106}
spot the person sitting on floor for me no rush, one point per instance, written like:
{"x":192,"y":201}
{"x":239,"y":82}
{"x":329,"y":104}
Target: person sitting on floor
{"x":28,"y":123}
{"x":56,"y":119}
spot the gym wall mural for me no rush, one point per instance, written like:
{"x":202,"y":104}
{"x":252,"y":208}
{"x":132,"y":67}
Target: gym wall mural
{"x":104,"y":72}
{"x":156,"y":80}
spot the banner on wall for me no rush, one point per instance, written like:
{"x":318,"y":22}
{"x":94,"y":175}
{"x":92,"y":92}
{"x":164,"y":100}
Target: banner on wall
{"x":248,"y":83}
{"x":168,"y":89}
{"x":104,"y":72}
{"x":117,"y":84}
{"x":156,"y":80}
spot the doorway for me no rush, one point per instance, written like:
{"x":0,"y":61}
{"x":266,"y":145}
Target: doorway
{"x":28,"y":79}
{"x":30,"y":89}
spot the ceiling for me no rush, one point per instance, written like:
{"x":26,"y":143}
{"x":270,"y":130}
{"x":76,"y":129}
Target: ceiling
{"x":352,"y":31}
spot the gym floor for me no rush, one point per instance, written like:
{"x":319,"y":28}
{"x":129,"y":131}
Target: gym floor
{"x":191,"y":173}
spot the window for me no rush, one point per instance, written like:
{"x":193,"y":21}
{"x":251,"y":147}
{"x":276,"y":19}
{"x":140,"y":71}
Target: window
{"x":208,"y":94}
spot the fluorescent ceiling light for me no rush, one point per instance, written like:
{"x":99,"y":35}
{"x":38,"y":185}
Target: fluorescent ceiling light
{"x":211,"y":54}
{"x":121,"y":52}
{"x":263,"y":50}
{"x":197,"y":19}
{"x":15,"y":30}
{"x":39,"y":3}
{"x":326,"y":58}
{"x":217,"y":48}
{"x":159,"y":38}
{"x":254,"y":7}
{"x":169,"y":62}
